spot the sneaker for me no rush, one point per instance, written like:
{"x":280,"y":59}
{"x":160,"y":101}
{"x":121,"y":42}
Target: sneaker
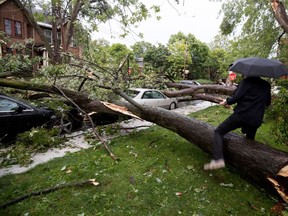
{"x":215,"y":164}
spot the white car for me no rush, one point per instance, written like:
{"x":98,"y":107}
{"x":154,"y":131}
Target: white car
{"x":152,"y":97}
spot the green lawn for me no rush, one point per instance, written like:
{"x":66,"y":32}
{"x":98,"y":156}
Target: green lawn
{"x":159,"y":173}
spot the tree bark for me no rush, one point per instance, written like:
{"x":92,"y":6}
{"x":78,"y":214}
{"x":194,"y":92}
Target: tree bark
{"x":280,"y":14}
{"x":263,"y":164}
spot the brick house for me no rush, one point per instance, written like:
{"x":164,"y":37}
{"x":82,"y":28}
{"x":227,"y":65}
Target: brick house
{"x":16,"y":25}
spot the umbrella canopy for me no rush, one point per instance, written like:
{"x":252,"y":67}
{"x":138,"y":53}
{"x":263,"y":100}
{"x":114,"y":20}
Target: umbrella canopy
{"x":260,"y":67}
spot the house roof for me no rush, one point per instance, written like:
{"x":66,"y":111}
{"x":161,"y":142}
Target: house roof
{"x":19,"y":3}
{"x":2,"y":1}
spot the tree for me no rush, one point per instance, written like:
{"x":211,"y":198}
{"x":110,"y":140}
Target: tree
{"x":261,"y":163}
{"x":197,"y":54}
{"x":72,"y":13}
{"x":257,"y":161}
{"x":216,"y":64}
{"x":253,"y":23}
{"x":155,"y":59}
{"x":179,"y":58}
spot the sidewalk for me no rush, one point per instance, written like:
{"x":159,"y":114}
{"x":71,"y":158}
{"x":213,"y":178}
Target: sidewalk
{"x":77,"y":142}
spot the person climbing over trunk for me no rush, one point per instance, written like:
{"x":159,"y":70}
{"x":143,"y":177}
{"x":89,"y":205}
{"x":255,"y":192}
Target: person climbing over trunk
{"x":251,"y":97}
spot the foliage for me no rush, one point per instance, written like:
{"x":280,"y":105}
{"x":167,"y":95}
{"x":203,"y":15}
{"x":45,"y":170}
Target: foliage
{"x":216,"y":64}
{"x":29,"y":143}
{"x":155,"y":57}
{"x":21,"y":61}
{"x":283,"y":83}
{"x":197,"y":57}
{"x":158,"y":174}
{"x":98,"y":52}
{"x":283,"y":45}
{"x":179,"y":58}
{"x":253,"y":25}
{"x":279,"y":113}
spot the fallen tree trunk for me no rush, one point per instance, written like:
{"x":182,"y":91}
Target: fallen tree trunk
{"x":203,"y":92}
{"x":190,"y":89}
{"x":265,"y":165}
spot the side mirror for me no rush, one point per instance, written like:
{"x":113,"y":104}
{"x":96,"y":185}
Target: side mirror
{"x":18,"y":109}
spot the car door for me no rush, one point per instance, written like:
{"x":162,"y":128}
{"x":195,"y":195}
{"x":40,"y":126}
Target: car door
{"x":12,"y":118}
{"x":147,"y":99}
{"x":154,"y":98}
{"x":161,"y":100}
{"x":17,"y":117}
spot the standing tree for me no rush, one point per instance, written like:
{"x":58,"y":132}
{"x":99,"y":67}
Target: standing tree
{"x":196,"y":54}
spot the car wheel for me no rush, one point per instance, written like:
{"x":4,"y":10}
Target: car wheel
{"x":63,"y":125}
{"x":172,"y":106}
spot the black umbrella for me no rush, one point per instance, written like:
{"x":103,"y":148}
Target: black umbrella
{"x":260,"y":67}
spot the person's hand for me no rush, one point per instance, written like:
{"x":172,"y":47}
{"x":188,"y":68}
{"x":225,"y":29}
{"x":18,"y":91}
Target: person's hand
{"x":224,"y":103}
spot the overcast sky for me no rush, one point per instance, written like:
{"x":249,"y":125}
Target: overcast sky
{"x":198,"y":17}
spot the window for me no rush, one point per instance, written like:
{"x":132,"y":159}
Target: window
{"x":157,"y":95}
{"x":8,"y":27}
{"x":147,"y":95}
{"x":18,"y":29}
{"x":48,"y":35}
{"x":7,"y":105}
{"x":13,"y":28}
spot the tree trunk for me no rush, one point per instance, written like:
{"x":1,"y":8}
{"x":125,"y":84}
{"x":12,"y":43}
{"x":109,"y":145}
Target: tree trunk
{"x":280,"y":14}
{"x":265,"y":165}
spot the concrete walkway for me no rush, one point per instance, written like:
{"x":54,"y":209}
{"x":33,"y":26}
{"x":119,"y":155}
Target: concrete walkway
{"x":77,"y":142}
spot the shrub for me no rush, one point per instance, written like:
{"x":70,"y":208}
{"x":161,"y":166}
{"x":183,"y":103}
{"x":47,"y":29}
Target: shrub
{"x":28,"y":143}
{"x":279,"y":113}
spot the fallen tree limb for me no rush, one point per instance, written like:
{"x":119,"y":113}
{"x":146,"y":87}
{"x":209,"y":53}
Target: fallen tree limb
{"x":254,"y":160}
{"x":48,"y":190}
{"x":95,"y":133}
{"x":190,"y":90}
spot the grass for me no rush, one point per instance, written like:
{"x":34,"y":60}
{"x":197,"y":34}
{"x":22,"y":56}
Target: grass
{"x":159,"y":173}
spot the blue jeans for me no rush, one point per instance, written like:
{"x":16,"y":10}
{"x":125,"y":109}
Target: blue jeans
{"x":231,"y":123}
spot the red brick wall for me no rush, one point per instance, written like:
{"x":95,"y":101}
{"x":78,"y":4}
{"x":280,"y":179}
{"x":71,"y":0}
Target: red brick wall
{"x":11,"y":11}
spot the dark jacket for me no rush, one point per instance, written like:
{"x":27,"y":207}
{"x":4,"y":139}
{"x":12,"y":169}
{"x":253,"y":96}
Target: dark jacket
{"x":252,"y":96}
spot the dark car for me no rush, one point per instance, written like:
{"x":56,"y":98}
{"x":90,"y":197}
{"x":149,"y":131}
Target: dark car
{"x":17,"y":116}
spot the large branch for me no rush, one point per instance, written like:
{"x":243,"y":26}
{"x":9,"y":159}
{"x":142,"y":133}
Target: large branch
{"x":190,"y":90}
{"x":199,"y":92}
{"x":265,"y":165}
{"x":280,"y":14}
{"x":70,"y":25}
{"x":79,"y":98}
